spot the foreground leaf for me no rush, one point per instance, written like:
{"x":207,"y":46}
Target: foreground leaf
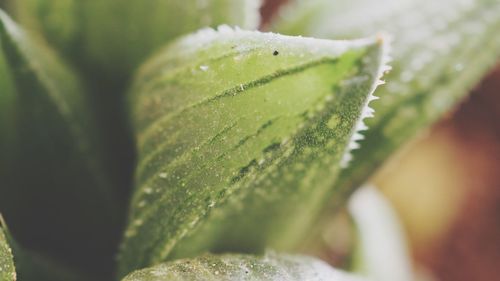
{"x":53,"y":187}
{"x":240,"y":134}
{"x":441,"y":50}
{"x":116,"y":35}
{"x":241,"y":268}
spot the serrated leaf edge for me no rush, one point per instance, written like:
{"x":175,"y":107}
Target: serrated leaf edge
{"x":385,"y":40}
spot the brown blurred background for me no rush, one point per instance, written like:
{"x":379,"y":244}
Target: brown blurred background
{"x":445,"y":186}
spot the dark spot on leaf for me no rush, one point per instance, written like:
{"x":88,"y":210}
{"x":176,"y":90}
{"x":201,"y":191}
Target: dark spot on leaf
{"x":273,"y":146}
{"x":244,"y":171}
{"x":275,"y":53}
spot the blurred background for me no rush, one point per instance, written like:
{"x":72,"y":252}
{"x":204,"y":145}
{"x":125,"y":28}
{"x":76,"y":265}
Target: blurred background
{"x":445,"y":187}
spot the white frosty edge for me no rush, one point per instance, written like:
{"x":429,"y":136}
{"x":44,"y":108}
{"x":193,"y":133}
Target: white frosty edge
{"x":367,"y":111}
{"x":206,"y":36}
{"x":188,"y":45}
{"x":320,"y":270}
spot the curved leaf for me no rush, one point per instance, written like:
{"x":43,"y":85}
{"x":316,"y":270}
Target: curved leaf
{"x":382,"y":252}
{"x":240,"y":134}
{"x":241,"y":268}
{"x":53,"y":188}
{"x":116,"y":35}
{"x":441,"y":50}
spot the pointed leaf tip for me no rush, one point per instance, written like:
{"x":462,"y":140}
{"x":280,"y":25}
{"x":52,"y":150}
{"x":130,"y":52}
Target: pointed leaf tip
{"x":436,"y":61}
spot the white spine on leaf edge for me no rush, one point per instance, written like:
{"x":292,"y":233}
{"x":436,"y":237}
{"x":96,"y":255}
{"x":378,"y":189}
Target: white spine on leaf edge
{"x":367,"y":111}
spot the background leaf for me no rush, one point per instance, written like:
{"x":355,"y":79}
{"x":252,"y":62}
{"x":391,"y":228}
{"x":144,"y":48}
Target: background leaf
{"x":381,"y":252}
{"x":441,"y":50}
{"x":242,"y":267}
{"x":116,"y":35}
{"x":55,"y":189}
{"x":240,"y":135}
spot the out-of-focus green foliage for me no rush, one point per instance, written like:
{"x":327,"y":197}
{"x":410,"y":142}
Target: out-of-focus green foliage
{"x":53,"y":182}
{"x":114,"y":36}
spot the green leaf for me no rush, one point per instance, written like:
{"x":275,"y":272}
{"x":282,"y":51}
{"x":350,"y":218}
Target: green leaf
{"x":242,"y":267}
{"x":28,"y":266}
{"x":53,"y":188}
{"x":7,"y":268}
{"x":240,"y":136}
{"x":116,"y":35}
{"x":441,"y":50}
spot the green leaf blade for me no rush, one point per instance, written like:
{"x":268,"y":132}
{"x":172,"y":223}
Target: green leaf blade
{"x":240,"y":267}
{"x":232,"y":123}
{"x":440,"y":50}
